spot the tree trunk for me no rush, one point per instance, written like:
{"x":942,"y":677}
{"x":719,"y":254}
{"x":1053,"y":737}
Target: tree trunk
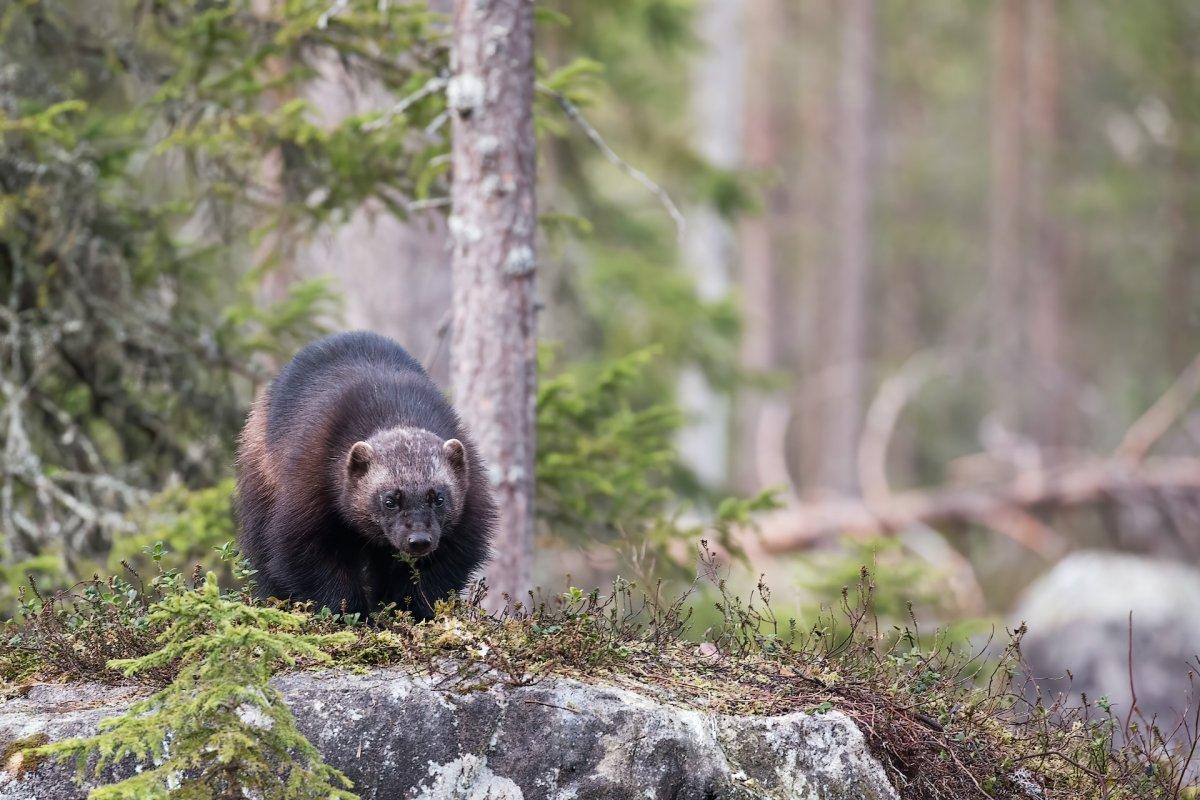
{"x":815,"y":23}
{"x":1051,"y":420}
{"x":761,"y":418}
{"x":275,"y":250}
{"x":1032,"y":386}
{"x":493,"y":226}
{"x":392,"y":274}
{"x":1182,"y":284}
{"x":845,"y":369}
{"x":711,"y":249}
{"x":1005,"y":302}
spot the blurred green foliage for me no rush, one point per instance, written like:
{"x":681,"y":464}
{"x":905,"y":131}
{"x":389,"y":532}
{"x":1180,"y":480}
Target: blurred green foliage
{"x":608,"y":473}
{"x":193,"y":526}
{"x":150,"y":151}
{"x":620,"y":281}
{"x":135,"y":144}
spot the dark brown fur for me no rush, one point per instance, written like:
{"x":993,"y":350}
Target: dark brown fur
{"x":312,"y":518}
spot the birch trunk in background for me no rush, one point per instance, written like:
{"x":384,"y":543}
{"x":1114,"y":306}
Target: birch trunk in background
{"x":493,"y":225}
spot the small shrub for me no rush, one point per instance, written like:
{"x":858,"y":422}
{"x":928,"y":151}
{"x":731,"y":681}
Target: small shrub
{"x":185,"y":526}
{"x":218,"y":729}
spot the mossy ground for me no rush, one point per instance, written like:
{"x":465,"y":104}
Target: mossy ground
{"x":945,"y":724}
{"x":18,"y":757}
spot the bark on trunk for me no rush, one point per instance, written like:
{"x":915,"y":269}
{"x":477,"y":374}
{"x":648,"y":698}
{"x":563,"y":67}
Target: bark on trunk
{"x":493,"y":227}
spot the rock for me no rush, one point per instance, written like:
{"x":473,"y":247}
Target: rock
{"x":1078,"y":618}
{"x":402,"y":736}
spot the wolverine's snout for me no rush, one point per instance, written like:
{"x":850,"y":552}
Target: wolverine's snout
{"x":413,"y":540}
{"x":418,"y":544}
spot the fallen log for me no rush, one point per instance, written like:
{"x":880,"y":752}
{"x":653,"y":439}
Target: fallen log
{"x":803,"y":523}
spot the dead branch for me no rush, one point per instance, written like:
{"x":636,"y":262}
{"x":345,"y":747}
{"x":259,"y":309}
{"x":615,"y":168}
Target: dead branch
{"x":1008,"y":507}
{"x":1165,"y":412}
{"x":575,"y":115}
{"x":1068,"y":486}
{"x":882,"y":416}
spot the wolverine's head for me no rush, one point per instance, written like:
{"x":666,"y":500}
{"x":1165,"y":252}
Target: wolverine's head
{"x":405,"y":486}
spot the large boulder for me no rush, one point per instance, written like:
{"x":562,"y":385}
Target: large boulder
{"x":1078,"y":618}
{"x":402,"y":736}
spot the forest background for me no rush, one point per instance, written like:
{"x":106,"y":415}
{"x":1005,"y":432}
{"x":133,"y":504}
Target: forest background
{"x":926,"y":274}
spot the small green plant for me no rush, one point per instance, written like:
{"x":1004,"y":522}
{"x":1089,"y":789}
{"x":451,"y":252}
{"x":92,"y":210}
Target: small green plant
{"x":608,"y":470}
{"x":184,"y":527}
{"x":218,"y":729}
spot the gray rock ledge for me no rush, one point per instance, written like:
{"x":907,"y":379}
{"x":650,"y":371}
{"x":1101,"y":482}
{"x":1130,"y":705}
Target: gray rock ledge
{"x":400,"y":736}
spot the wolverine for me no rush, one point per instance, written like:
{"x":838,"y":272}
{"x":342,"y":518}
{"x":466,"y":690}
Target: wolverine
{"x":358,"y":485}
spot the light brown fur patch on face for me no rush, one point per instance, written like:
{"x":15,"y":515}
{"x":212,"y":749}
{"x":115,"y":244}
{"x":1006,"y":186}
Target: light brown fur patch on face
{"x":409,"y":459}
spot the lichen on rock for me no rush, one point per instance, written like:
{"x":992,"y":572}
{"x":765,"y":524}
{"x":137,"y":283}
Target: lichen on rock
{"x":402,"y":735}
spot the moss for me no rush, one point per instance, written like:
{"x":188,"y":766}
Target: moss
{"x":21,"y":756}
{"x":17,"y":666}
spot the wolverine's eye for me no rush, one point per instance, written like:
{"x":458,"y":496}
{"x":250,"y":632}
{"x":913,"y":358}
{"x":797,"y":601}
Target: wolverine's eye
{"x":436,"y":499}
{"x":389,"y":502}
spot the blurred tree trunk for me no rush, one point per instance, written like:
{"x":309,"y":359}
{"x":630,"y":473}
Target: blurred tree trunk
{"x":761,"y":418}
{"x":1032,"y":386}
{"x":1052,"y":402}
{"x":276,"y":249}
{"x":1005,"y":268}
{"x":814,"y":27}
{"x":493,"y":227}
{"x":844,"y":370}
{"x":710,"y":250}
{"x":1182,"y":62}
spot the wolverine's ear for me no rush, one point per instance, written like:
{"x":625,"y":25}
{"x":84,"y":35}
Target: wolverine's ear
{"x":456,"y":454}
{"x":360,"y":459}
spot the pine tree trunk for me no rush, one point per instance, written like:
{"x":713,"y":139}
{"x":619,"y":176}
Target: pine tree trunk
{"x":1182,"y":284}
{"x":847,"y":351}
{"x":710,"y":250}
{"x":1051,"y":405}
{"x":1005,"y":302}
{"x":493,"y":227}
{"x":816,"y":23}
{"x":760,"y":416}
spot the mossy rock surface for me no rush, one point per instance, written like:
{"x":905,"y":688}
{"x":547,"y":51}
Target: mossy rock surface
{"x":399,"y":735}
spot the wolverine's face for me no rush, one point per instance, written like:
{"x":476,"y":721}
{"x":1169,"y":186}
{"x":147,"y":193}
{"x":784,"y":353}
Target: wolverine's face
{"x":405,"y":486}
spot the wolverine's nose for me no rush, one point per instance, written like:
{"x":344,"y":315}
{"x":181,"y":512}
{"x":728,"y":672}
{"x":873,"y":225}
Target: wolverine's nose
{"x":419,"y":543}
